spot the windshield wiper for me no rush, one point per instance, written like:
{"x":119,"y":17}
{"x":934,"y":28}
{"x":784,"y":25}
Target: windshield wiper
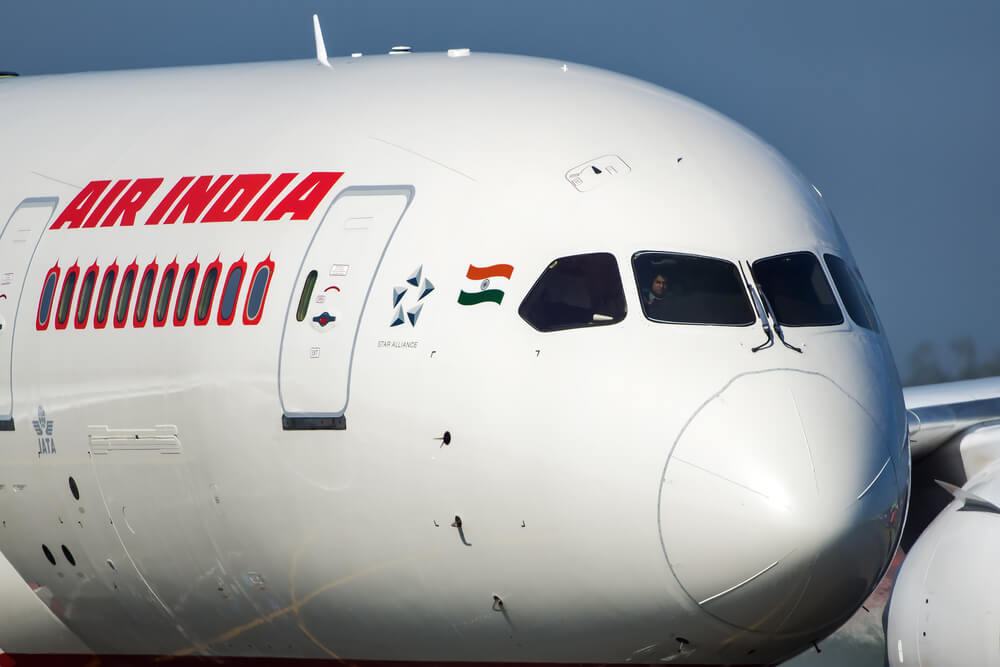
{"x":777,"y":326}
{"x":764,"y":321}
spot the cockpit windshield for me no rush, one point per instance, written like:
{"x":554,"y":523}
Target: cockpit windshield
{"x":574,"y":292}
{"x":690,"y":289}
{"x":851,"y":293}
{"x":797,"y":290}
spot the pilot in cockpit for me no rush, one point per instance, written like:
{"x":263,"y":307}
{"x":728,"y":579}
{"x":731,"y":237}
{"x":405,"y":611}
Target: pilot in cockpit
{"x":657,"y":290}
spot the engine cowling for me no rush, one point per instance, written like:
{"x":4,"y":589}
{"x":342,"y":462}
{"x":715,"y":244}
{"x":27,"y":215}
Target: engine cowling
{"x":945,"y":604}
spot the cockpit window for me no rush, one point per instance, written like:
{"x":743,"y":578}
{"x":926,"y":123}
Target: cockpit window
{"x":688,"y":289}
{"x":576,"y":291}
{"x":866,"y":293}
{"x":797,"y":290}
{"x":850,"y":293}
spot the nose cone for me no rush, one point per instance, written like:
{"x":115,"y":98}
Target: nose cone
{"x":779,"y":506}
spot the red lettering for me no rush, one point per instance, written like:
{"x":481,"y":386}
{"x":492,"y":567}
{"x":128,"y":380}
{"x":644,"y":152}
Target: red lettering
{"x":81,"y":205}
{"x":130,"y":203}
{"x":236,"y":197}
{"x":306,"y":196}
{"x":101,"y":209}
{"x":196,"y":199}
{"x":266,"y":199}
{"x":164,"y":206}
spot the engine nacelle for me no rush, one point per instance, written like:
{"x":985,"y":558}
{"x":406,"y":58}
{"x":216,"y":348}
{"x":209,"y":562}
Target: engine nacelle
{"x":945,"y":605}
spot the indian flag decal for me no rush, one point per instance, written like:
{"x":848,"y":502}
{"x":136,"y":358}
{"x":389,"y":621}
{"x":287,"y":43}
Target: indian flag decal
{"x":486,"y":283}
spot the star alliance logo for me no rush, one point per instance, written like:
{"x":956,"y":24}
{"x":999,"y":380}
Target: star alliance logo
{"x":423,"y":288}
{"x":43,"y":429}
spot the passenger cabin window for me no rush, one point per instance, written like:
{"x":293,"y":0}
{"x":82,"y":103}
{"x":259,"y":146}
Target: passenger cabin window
{"x":231,"y":292}
{"x":208,"y":284}
{"x":797,"y":290}
{"x":66,"y":297}
{"x":125,"y":296}
{"x":45,"y":303}
{"x":690,"y":289}
{"x":86,"y":294}
{"x":576,"y":291}
{"x":184,"y":294}
{"x":104,"y":296}
{"x":163,"y":297}
{"x":851,"y":293}
{"x":145,"y":293}
{"x":261,"y":280}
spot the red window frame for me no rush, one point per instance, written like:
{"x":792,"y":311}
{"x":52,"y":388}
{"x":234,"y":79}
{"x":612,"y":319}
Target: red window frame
{"x":265,"y":264}
{"x":75,"y":272}
{"x":217,"y":265}
{"x":95,"y":271}
{"x":113,"y":268}
{"x":134,"y":267}
{"x":157,"y":322}
{"x":155,"y":268}
{"x":194,"y":265}
{"x":237,"y":264}
{"x":39,"y":325}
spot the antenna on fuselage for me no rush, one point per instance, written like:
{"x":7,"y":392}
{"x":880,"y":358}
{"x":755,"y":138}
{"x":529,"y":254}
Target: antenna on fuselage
{"x":320,"y":46}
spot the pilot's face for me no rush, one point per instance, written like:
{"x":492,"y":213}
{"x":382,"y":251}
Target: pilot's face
{"x":659,"y":285}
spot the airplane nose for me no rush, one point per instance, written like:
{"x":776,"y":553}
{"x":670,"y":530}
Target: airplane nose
{"x":779,"y":506}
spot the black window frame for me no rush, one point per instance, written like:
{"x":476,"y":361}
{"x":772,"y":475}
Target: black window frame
{"x":738,"y":274}
{"x":164,"y":295}
{"x":206,"y":295}
{"x":124,"y":303}
{"x":826,"y":278}
{"x":145,"y":295}
{"x":104,"y":295}
{"x":267,"y":267}
{"x":47,"y":298}
{"x":184,"y":293}
{"x":527,"y":303}
{"x":852,"y":295}
{"x":66,"y":294}
{"x":85,"y":298}
{"x":240,"y":266}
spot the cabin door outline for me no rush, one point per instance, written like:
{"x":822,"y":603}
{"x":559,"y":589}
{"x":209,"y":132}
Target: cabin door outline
{"x":310,"y":387}
{"x":25,"y":230}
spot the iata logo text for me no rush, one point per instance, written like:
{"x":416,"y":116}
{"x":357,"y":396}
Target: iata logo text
{"x":43,"y":429}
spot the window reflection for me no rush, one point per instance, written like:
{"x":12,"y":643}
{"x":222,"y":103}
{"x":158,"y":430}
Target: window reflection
{"x":576,"y":291}
{"x":797,"y":290}
{"x":689,"y":289}
{"x":850,"y":293}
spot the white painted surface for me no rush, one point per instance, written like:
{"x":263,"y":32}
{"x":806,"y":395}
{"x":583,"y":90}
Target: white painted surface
{"x":254,"y":541}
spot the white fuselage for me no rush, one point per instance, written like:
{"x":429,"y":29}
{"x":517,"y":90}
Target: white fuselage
{"x":618,"y":487}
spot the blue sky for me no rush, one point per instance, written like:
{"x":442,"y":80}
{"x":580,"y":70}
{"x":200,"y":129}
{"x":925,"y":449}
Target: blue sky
{"x":890,"y":107}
